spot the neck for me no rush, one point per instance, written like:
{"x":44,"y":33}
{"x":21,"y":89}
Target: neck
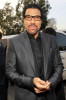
{"x":36,"y":35}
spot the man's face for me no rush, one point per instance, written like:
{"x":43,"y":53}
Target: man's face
{"x":32,"y":24}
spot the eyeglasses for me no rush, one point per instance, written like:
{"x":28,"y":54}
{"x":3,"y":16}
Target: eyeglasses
{"x":29,"y":18}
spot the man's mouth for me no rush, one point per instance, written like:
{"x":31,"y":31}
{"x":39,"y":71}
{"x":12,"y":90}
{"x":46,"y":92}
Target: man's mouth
{"x":32,"y":26}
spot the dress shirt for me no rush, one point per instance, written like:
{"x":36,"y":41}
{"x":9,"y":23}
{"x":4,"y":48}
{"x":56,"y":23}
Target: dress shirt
{"x":36,"y":45}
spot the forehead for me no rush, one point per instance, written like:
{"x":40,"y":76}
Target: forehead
{"x":32,"y":11}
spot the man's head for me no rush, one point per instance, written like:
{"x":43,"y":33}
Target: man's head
{"x":32,"y":14}
{"x":50,"y":31}
{"x":0,"y":37}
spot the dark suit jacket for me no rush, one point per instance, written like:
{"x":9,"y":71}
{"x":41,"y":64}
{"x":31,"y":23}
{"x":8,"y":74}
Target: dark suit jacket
{"x":2,"y":65}
{"x":20,"y":66}
{"x":3,"y":89}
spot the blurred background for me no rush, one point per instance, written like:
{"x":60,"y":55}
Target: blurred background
{"x":11,"y":23}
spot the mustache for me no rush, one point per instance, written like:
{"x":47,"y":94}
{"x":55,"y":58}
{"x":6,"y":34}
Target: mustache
{"x":32,"y":24}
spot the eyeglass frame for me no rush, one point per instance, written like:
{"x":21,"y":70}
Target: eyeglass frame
{"x":32,"y":17}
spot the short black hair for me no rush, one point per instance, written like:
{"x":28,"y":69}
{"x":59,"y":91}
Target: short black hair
{"x":33,"y":5}
{"x":0,"y":35}
{"x":50,"y":31}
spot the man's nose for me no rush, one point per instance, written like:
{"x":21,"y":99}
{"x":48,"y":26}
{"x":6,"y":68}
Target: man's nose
{"x":33,"y":20}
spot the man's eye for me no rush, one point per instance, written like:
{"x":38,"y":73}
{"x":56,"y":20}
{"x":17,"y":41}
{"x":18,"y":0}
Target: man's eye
{"x":28,"y":17}
{"x":37,"y":16}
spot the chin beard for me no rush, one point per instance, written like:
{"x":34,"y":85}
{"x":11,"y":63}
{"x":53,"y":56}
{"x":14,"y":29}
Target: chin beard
{"x":33,"y":32}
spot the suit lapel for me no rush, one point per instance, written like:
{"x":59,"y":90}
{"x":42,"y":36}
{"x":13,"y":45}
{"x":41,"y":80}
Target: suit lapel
{"x":45,"y":53}
{"x":29,"y":55}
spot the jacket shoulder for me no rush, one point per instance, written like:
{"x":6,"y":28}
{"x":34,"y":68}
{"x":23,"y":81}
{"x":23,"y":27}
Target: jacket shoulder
{"x":17,"y":38}
{"x":48,"y":36}
{"x":49,"y":39}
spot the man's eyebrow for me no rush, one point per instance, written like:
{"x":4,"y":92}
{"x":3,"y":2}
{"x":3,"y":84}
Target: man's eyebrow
{"x":31,"y":15}
{"x":27,"y":15}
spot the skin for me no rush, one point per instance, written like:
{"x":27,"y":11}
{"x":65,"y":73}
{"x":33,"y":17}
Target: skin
{"x":33,"y":28}
{"x":41,"y":86}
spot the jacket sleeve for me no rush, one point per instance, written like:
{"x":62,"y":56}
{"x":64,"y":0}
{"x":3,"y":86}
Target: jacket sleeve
{"x":2,"y":65}
{"x":58,"y":66}
{"x":11,"y":72}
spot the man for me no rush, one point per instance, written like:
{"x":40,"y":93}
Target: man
{"x":33,"y":60}
{"x":3,"y":91}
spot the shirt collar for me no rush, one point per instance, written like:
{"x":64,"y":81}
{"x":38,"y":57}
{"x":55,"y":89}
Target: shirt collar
{"x":32,"y":36}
